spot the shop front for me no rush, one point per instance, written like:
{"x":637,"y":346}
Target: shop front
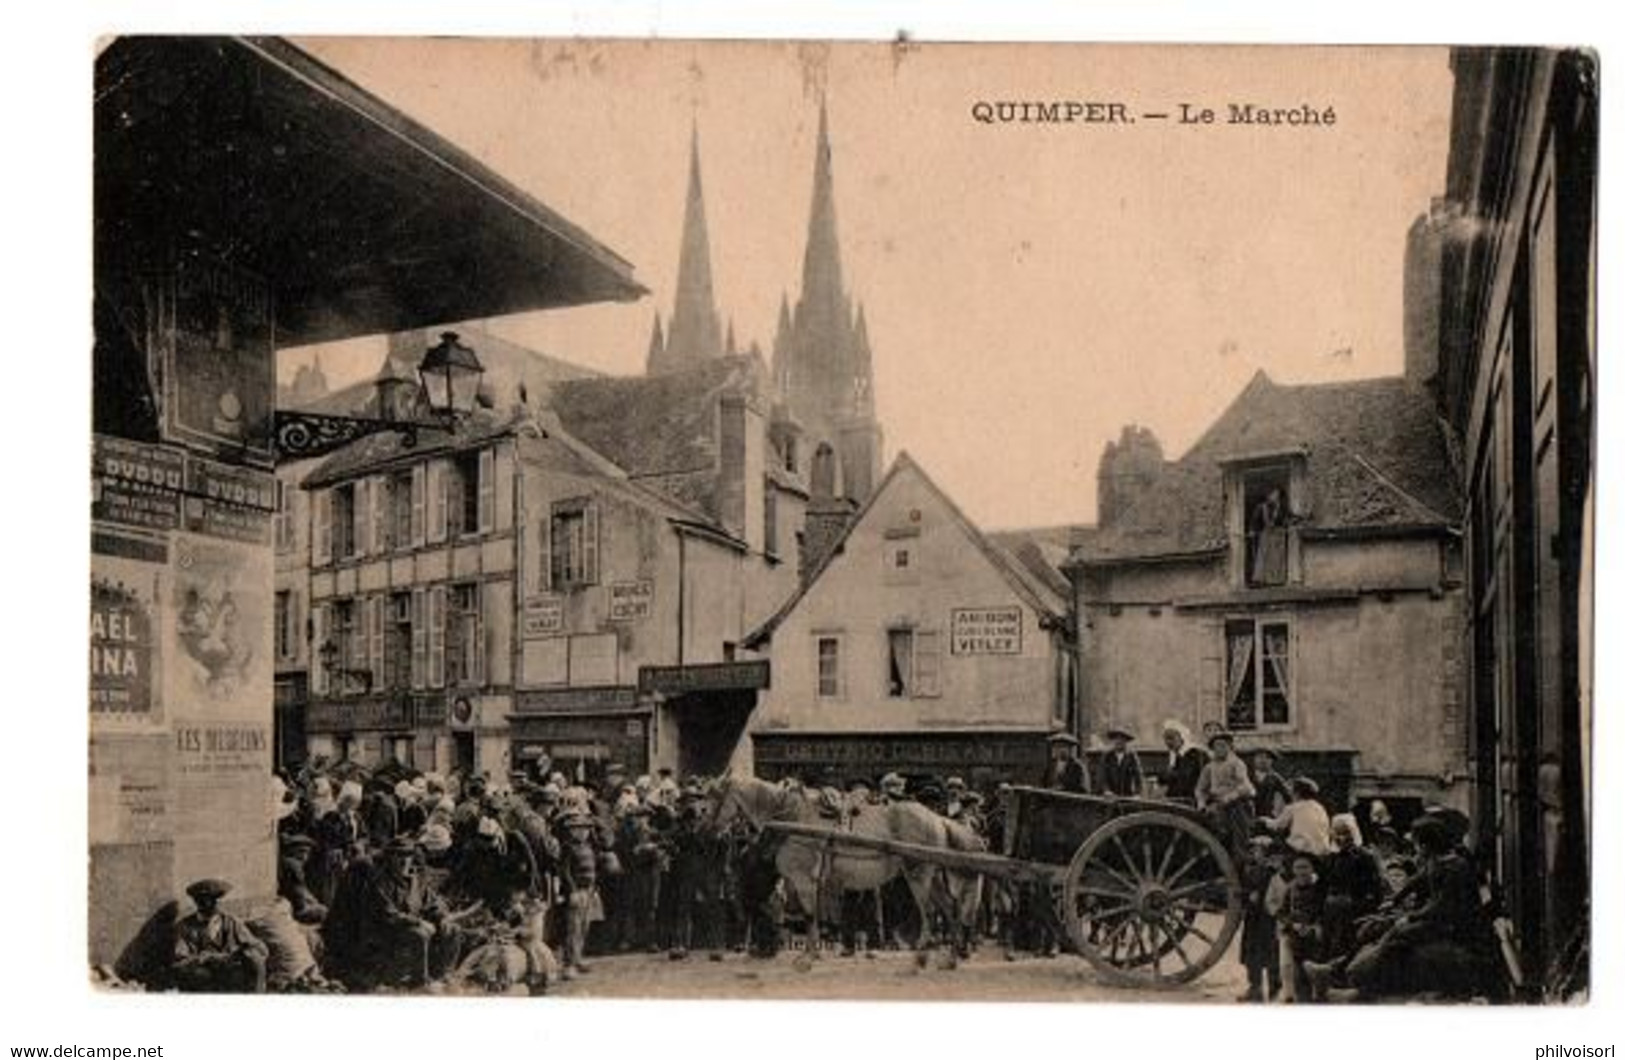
{"x":580,"y":732}
{"x":373,"y":730}
{"x":984,"y":758}
{"x":708,"y":707}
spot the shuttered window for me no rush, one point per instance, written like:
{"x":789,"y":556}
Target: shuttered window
{"x":437,"y":636}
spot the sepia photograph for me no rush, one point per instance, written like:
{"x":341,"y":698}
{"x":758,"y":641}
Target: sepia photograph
{"x":842,"y":521}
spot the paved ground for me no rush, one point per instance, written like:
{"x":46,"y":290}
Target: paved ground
{"x":987,"y":976}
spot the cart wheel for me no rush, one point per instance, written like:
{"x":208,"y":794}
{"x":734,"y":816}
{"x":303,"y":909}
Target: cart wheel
{"x":1151,"y":899}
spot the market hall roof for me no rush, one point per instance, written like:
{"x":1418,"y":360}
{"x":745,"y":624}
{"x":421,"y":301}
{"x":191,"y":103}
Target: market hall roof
{"x":1377,"y":459}
{"x":362,"y":220}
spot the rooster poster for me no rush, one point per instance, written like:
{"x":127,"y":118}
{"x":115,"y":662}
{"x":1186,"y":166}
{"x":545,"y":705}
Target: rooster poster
{"x":219,"y":635}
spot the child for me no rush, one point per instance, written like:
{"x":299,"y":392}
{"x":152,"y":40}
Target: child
{"x":1260,"y":947}
{"x":1300,"y":926}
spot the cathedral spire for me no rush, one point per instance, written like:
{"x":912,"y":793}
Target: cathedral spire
{"x":657,"y":347}
{"x":695,"y":333}
{"x":821,"y":287}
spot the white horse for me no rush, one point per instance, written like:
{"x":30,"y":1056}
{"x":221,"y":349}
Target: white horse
{"x":807,"y":864}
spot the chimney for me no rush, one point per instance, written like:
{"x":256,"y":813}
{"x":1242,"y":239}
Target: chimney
{"x":741,"y":469}
{"x":1424,"y":286}
{"x":1128,"y":467}
{"x":825,"y":523}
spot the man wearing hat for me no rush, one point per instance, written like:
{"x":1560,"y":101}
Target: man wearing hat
{"x":1270,"y":791}
{"x":1120,"y":767}
{"x":1307,"y":825}
{"x":1066,"y":770}
{"x":292,"y":853}
{"x":215,"y":953}
{"x":1225,"y":791}
{"x":402,"y":935}
{"x":893,"y":788}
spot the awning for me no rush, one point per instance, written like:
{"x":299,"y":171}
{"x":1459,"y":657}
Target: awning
{"x":361,"y":220}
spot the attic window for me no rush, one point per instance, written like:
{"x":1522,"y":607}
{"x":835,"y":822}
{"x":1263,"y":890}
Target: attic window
{"x":1266,"y":508}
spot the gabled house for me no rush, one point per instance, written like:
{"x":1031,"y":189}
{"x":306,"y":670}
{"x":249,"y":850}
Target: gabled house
{"x":917,"y":645}
{"x":1295,"y":577}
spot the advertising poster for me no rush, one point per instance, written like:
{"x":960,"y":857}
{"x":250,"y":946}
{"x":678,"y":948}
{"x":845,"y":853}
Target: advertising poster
{"x":125,"y":595}
{"x":218,"y":364}
{"x":219,"y":627}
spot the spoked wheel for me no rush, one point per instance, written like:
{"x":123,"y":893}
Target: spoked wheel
{"x":1152,"y":899}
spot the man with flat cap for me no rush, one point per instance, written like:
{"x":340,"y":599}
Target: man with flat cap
{"x":1066,"y":770}
{"x":404,"y":936}
{"x":1120,"y":772}
{"x":215,"y":953}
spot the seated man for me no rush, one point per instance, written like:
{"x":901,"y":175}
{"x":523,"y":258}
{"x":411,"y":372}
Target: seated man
{"x":215,"y":953}
{"x":403,"y":938}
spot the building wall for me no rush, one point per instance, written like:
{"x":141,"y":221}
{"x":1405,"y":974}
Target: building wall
{"x":1353,"y":659}
{"x":856,"y":600}
{"x":486,"y":557}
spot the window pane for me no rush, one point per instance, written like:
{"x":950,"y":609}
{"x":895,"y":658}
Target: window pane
{"x":829,"y":667}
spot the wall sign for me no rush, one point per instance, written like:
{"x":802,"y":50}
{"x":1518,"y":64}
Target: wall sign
{"x":986,"y":631}
{"x":123,"y":639}
{"x":544,"y":616}
{"x":630,"y":601}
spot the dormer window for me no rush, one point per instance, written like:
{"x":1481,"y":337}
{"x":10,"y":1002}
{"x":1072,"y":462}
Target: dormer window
{"x":1265,"y":506}
{"x":1266,"y":494}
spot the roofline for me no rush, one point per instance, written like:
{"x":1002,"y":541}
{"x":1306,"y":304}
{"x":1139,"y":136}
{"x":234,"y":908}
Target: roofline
{"x":324,"y":79}
{"x":317,"y":479}
{"x":1028,"y":595}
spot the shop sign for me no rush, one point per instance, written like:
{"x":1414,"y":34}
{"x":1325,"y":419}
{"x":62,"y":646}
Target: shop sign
{"x":631,"y":601}
{"x":136,"y":484}
{"x":614,"y":697}
{"x":986,"y":631}
{"x":363,"y":715}
{"x":705,"y":677}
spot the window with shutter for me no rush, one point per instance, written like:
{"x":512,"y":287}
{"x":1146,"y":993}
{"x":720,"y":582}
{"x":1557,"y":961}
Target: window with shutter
{"x":361,"y":534}
{"x":927,"y":663}
{"x":420,"y":638}
{"x":376,"y":627}
{"x":488,"y":490}
{"x":419,"y":495}
{"x":438,"y":480}
{"x":544,"y":556}
{"x":355,"y":654}
{"x":322,"y":545}
{"x":380,"y":542}
{"x":318,"y":626}
{"x":437,"y":636}
{"x":589,"y":545}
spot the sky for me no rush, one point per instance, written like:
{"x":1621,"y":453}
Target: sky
{"x":1030,"y":288}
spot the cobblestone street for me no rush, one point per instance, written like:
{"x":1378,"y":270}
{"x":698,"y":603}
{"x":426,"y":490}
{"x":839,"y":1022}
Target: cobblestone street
{"x":891,"y":976}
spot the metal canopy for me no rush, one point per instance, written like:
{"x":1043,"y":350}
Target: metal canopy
{"x":362,"y":221}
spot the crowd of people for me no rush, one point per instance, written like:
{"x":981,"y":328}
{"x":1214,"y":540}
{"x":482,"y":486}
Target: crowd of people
{"x":393,"y":879}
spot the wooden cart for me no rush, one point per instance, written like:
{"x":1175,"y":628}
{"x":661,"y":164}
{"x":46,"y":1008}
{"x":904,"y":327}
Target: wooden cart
{"x":1145,"y":889}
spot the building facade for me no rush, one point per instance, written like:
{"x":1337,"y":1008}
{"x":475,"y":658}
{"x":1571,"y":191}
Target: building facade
{"x":1514,"y":371}
{"x":205,"y":146}
{"x":1295,"y":577}
{"x":918,"y":646}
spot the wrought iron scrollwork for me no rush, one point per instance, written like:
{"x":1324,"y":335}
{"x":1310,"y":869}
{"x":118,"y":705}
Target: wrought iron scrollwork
{"x":301,"y":435}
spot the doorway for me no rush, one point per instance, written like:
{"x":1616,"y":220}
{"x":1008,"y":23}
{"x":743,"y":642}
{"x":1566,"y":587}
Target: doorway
{"x":709,"y":728}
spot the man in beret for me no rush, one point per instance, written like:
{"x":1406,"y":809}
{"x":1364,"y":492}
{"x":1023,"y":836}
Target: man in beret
{"x":215,"y":953}
{"x":1270,"y":791}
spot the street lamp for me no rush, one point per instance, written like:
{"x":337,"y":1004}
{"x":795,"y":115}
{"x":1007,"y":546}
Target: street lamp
{"x":448,"y":389}
{"x":328,"y":653}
